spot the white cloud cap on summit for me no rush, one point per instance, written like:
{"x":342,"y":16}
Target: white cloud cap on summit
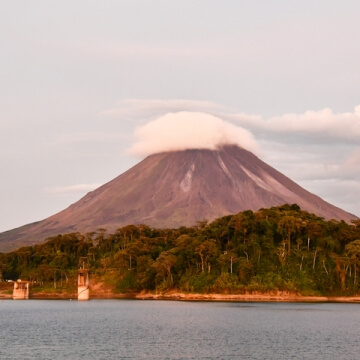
{"x":189,"y":130}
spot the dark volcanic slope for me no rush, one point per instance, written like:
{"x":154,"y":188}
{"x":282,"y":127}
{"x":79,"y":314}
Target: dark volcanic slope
{"x":178,"y":188}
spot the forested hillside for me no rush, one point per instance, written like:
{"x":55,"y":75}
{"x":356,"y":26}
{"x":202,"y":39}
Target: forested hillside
{"x":281,"y":248}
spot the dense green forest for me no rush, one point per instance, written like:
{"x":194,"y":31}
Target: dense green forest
{"x":281,"y":248}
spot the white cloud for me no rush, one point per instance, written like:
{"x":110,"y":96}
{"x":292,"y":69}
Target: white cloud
{"x":324,"y":122}
{"x":189,"y":130}
{"x":64,"y":190}
{"x":319,"y":124}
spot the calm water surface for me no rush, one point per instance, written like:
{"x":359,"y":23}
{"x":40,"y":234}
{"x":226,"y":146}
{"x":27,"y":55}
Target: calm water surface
{"x":131,"y":329}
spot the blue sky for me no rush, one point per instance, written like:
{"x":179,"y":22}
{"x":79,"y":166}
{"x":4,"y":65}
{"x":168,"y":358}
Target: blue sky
{"x":78,"y":78}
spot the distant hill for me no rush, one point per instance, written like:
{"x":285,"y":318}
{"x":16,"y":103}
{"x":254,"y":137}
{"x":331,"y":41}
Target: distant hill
{"x":174,"y":189}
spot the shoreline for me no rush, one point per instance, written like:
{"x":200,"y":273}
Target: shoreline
{"x":258,"y":297}
{"x":177,"y":296}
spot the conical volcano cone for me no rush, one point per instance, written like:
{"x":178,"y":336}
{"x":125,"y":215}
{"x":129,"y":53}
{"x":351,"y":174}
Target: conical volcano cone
{"x":179,"y":188}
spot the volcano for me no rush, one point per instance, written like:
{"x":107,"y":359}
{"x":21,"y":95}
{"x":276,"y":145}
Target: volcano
{"x":173,"y":189}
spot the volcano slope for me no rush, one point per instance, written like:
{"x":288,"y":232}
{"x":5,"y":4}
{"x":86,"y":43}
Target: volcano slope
{"x":174,"y":189}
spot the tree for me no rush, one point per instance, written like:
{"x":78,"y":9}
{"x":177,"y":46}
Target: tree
{"x":353,"y":251}
{"x":164,"y":264}
{"x":207,"y":250}
{"x":242,"y":224}
{"x":314,"y":230}
{"x":288,"y":226}
{"x":228,"y":259}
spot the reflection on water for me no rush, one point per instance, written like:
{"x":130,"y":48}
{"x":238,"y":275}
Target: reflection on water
{"x":134,"y":329}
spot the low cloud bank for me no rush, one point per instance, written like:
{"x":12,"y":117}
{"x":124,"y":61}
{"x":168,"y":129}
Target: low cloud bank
{"x":323,"y":122}
{"x":189,"y":130}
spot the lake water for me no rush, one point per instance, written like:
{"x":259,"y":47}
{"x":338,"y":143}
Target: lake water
{"x":135,"y":329}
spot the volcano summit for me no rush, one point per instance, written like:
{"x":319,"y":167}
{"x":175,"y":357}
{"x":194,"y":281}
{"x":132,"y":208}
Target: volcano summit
{"x":179,"y":188}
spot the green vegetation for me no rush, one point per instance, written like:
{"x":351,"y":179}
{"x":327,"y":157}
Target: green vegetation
{"x":282,"y":248}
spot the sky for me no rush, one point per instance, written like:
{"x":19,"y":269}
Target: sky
{"x":89,"y":88}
